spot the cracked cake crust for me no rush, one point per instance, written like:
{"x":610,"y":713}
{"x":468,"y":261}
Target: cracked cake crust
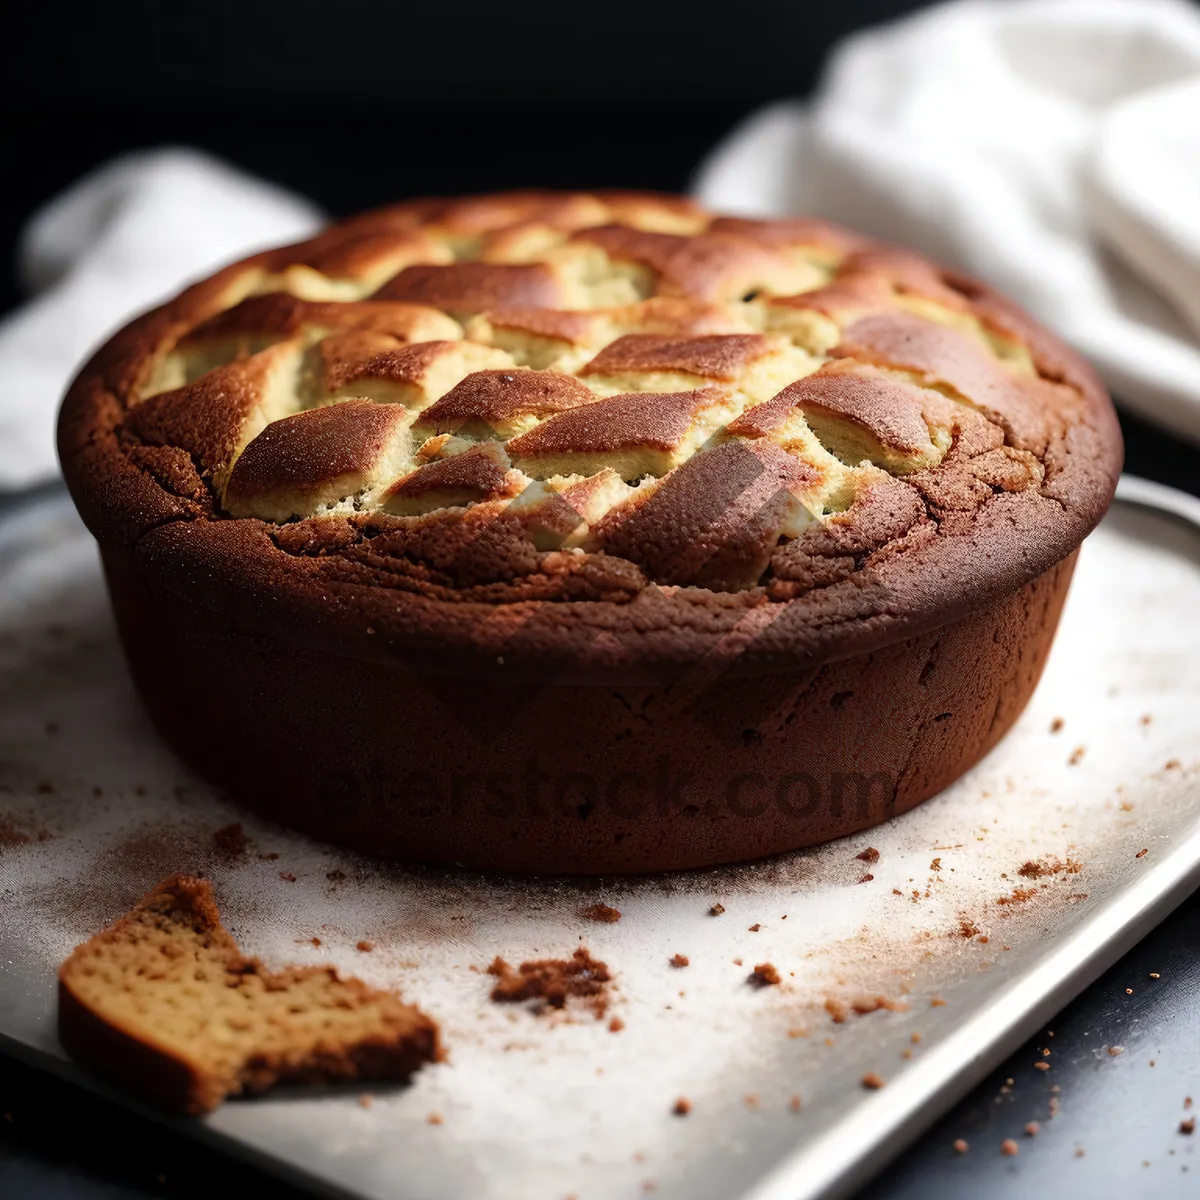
{"x":991,"y":445}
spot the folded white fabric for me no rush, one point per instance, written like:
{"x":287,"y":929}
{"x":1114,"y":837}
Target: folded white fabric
{"x":1051,"y":147}
{"x":115,"y":243}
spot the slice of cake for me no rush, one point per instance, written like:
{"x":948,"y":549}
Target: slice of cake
{"x":165,"y":1003}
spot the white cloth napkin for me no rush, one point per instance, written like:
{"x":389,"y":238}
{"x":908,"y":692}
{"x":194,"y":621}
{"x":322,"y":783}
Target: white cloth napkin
{"x":115,"y":243}
{"x":1051,"y":147}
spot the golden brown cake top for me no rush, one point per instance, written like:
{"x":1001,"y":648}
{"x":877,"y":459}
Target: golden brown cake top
{"x":580,"y":396}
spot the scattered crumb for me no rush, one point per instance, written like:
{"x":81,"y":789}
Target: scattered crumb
{"x":737,"y":962}
{"x":1032,"y":1129}
{"x":683,"y":1106}
{"x":1076,"y":756}
{"x":1145,"y":719}
{"x":1009,"y":1148}
{"x":1129,"y":991}
{"x":231,"y":841}
{"x":754,"y":928}
{"x":873,"y":1081}
{"x":914,"y":1038}
{"x":750,"y":1100}
{"x":796,"y":1032}
{"x":1172,"y":764}
{"x":316,"y":941}
{"x":616,"y":1025}
{"x":1155,"y":975}
{"x":550,"y":982}
{"x":1041,"y":1066}
{"x":764,"y":975}
{"x":434,"y":1119}
{"x":1078,"y":1151}
{"x":961,"y":1145}
{"x":1039,"y":869}
{"x":795,"y":1104}
{"x":602,"y":913}
{"x":1056,"y":725}
{"x":366,"y":1100}
{"x":1143,"y":852}
{"x":716,"y":910}
{"x":839,"y":1010}
{"x":866,"y":878}
{"x":936,"y":865}
{"x":1114,"y":1051}
{"x":869,"y":855}
{"x":967,"y":928}
{"x":287,"y":877}
{"x":679,"y":960}
{"x":1188,"y":1125}
{"x":937,"y":1002}
{"x":365,"y":946}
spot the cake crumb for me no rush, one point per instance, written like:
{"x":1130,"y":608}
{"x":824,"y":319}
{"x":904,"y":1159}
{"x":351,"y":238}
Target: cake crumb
{"x":603,"y":913}
{"x":764,"y":975}
{"x":716,"y":910}
{"x":231,"y":841}
{"x":1114,"y":1051}
{"x":366,"y":1100}
{"x":867,"y":878}
{"x":616,"y":1025}
{"x":1056,"y":726}
{"x":750,"y":1100}
{"x":1076,"y":756}
{"x":1188,"y":1125}
{"x":754,"y":928}
{"x":1143,"y":852}
{"x":961,"y":1145}
{"x":287,"y":877}
{"x":1032,"y":1129}
{"x":869,"y":855}
{"x":937,"y":1002}
{"x":1041,"y":1066}
{"x":316,"y":941}
{"x":1009,"y":1148}
{"x":434,"y":1118}
{"x":682,"y":1107}
{"x":365,"y":946}
{"x":795,"y":1104}
{"x":873,"y":1081}
{"x":550,"y":982}
{"x":679,"y":960}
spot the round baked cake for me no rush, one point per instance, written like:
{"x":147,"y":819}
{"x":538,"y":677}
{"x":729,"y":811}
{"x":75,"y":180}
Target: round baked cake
{"x":586,"y":532}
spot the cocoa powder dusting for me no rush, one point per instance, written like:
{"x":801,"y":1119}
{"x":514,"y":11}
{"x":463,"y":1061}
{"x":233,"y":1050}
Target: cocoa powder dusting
{"x":550,"y":982}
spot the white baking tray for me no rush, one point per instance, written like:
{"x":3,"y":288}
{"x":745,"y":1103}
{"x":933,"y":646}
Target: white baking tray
{"x":535,"y":1107}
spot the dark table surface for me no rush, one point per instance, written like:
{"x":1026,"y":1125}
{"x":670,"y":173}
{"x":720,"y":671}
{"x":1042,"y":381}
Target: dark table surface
{"x":1107,"y":1126}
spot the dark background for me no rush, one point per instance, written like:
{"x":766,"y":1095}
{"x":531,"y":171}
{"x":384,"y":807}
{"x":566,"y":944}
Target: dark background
{"x":355,"y":104}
